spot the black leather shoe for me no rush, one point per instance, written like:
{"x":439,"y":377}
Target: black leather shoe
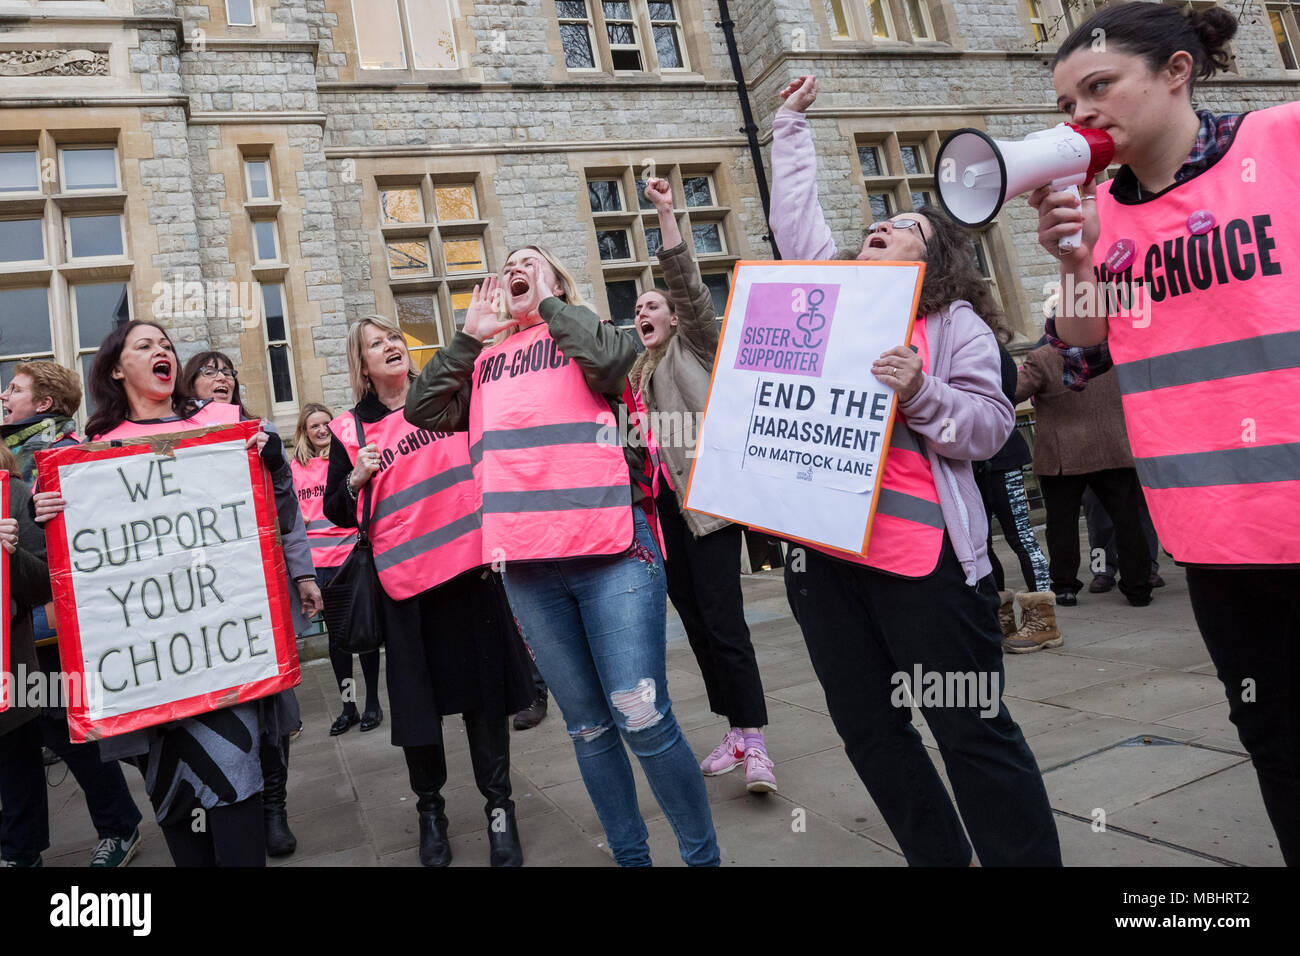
{"x":1067,"y":598}
{"x":372,"y":719}
{"x":344,"y":722}
{"x":1101,"y":584}
{"x":503,"y":839}
{"x":1156,"y":580}
{"x":435,"y":850}
{"x":532,"y":716}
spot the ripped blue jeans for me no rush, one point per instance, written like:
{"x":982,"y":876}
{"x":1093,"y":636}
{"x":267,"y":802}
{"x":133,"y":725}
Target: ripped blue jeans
{"x":596,"y":626}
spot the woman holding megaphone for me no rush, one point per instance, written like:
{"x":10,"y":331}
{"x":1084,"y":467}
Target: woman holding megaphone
{"x":1196,"y":228}
{"x":922,"y":600}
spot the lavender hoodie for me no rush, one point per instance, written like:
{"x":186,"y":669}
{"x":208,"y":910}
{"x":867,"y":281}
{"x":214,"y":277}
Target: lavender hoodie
{"x":964,"y":384}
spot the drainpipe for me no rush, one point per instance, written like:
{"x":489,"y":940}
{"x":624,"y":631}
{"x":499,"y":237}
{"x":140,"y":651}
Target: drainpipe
{"x":749,"y":129}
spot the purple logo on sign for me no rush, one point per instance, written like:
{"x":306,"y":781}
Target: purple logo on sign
{"x":786,"y":327}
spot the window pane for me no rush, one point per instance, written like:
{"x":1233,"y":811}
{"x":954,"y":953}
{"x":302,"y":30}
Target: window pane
{"x":841,"y":22}
{"x":571,"y":9}
{"x":100,"y":309}
{"x":707,"y":238}
{"x":432,"y":39}
{"x":613,"y":244}
{"x":401,"y":205}
{"x":604,"y":195}
{"x":408,"y":258}
{"x":640,"y":196}
{"x":654,"y":240}
{"x":981,"y":261}
{"x":882,"y":207}
{"x":259,"y":179}
{"x":239,"y":13}
{"x":916,"y":19}
{"x":26,"y":326}
{"x":661,"y":11}
{"x":670,"y":54}
{"x":19,"y":171}
{"x":379,"y":35}
{"x":620,"y":34}
{"x":697,"y":191}
{"x":455,"y":203}
{"x":22,"y":240}
{"x":90,"y":169}
{"x":879,"y":19}
{"x":718,"y":284}
{"x":281,"y":376}
{"x":577,"y":46}
{"x":922,"y":198}
{"x":459,"y":307}
{"x":913,"y":160}
{"x":622,"y":301}
{"x":617,"y":10}
{"x":869,"y":160}
{"x":264,"y":236}
{"x":94,"y":236}
{"x":273,"y":312}
{"x":626,"y":59}
{"x":464,"y":255}
{"x":417,"y":316}
{"x":1283,"y":41}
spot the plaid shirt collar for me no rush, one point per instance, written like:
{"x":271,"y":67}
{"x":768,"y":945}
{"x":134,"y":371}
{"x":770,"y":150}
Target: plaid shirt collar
{"x":1212,"y":141}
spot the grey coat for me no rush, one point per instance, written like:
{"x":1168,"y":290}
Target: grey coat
{"x":29,"y":586}
{"x":677,"y":387}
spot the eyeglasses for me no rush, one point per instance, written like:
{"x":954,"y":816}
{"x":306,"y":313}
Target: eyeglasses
{"x":898,"y":224}
{"x":211,"y":371}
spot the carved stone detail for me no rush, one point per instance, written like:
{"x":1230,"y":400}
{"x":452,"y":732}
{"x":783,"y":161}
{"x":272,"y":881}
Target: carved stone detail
{"x":53,"y":63}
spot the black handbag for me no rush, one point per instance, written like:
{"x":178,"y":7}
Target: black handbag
{"x":352,"y":613}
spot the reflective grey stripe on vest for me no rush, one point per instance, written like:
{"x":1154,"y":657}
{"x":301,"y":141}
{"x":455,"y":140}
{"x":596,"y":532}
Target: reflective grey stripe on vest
{"x":476,"y":452}
{"x":560,"y":499}
{"x":507,"y":439}
{"x":421,"y":489}
{"x":347,"y":542}
{"x":903,"y":437}
{"x":320,"y":524}
{"x":896,"y":504}
{"x":427,"y":542}
{"x":1263,"y":353}
{"x":1233,"y":466}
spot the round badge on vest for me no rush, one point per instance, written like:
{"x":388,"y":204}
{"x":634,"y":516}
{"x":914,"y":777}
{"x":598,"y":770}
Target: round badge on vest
{"x":1201,"y":222}
{"x":1121,"y":255}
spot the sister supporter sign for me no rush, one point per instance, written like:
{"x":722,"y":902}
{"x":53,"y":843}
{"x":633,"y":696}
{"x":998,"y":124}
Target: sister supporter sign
{"x":796,"y":426}
{"x":168,"y":578}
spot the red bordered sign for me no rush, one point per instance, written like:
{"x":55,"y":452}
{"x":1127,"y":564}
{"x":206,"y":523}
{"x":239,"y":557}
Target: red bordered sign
{"x":6,"y":694}
{"x":169,"y":579}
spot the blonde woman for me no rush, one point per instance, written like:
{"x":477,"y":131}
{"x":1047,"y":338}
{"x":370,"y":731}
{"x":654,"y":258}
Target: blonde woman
{"x":560,"y":509}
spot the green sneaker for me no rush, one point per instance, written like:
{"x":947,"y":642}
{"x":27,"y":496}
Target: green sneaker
{"x":115,"y":851}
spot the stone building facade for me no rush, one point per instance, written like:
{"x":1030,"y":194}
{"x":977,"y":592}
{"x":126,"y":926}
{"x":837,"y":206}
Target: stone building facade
{"x":257,"y":174}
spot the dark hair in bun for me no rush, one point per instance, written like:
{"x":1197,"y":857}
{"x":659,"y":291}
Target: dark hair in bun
{"x":1156,"y":32}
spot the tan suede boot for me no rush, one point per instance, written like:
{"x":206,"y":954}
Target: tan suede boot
{"x":1038,"y":624}
{"x":1007,"y":613}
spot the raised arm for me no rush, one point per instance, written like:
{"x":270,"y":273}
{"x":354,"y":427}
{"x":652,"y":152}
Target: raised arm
{"x":689,"y":297}
{"x":796,"y":220}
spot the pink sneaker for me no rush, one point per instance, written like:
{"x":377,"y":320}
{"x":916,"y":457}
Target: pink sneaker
{"x":758,"y":772}
{"x":728,"y":755}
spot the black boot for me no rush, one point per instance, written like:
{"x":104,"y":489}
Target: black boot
{"x":489,"y":752}
{"x":280,"y":840}
{"x":427,"y":768}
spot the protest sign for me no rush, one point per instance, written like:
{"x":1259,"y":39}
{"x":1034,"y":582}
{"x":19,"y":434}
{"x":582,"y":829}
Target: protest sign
{"x":168,"y":578}
{"x":796,"y":427}
{"x":5,"y":670}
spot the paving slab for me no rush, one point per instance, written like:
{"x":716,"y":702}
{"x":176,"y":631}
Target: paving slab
{"x":1149,"y":696}
{"x":1176,"y":648}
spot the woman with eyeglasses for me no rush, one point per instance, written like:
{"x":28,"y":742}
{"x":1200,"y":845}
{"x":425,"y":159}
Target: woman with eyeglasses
{"x":208,"y":766}
{"x":330,"y":547}
{"x":211,"y":376}
{"x":923,"y":598}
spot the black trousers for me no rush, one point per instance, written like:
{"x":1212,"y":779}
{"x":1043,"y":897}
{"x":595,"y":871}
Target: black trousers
{"x":1101,"y":532}
{"x":1118,"y":491}
{"x":704,"y":585}
{"x":229,"y":836}
{"x":863,"y":629}
{"x":489,"y":754}
{"x":1005,"y":499}
{"x":1250,"y":621}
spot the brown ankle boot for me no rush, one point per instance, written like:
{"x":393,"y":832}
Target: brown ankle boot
{"x":1007,"y":613}
{"x":1038,"y":624}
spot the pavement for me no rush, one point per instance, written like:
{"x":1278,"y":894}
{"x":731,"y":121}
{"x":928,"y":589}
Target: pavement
{"x":1127,"y":721}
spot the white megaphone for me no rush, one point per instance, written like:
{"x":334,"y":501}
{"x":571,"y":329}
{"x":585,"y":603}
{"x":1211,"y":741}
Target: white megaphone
{"x":977,"y":174}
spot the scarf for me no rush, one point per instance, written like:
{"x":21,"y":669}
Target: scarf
{"x":29,"y":439}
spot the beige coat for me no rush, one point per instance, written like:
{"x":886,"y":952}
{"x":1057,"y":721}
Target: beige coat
{"x":674,"y":379}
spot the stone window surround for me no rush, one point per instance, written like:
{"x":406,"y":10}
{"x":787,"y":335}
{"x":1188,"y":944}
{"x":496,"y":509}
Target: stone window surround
{"x":859,"y":24}
{"x":1290,"y":18}
{"x":345,"y":42}
{"x":643,"y":268}
{"x":689,"y":13}
{"x":57,"y":272}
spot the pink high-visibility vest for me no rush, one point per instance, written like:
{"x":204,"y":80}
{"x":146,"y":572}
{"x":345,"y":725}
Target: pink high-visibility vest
{"x":1208,"y":349}
{"x":209,"y":414}
{"x":424,"y":516}
{"x":330,"y":544}
{"x":554,"y":485}
{"x":907,"y":531}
